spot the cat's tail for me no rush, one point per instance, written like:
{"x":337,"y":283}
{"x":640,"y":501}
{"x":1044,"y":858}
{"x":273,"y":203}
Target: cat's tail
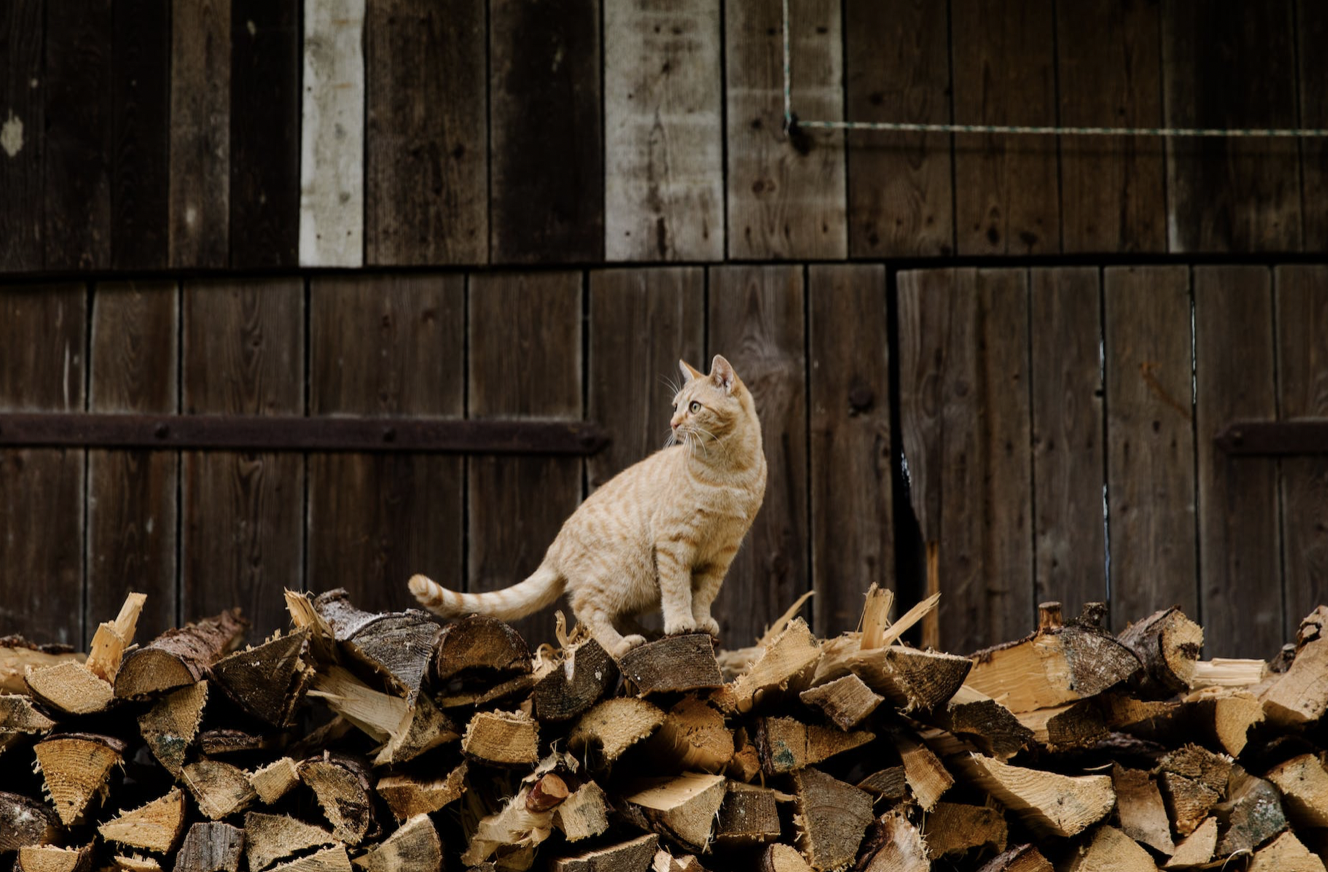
{"x":541,"y":589}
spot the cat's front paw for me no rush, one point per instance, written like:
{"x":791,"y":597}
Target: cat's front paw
{"x":680,"y":626}
{"x":627,"y":644}
{"x":708,"y":625}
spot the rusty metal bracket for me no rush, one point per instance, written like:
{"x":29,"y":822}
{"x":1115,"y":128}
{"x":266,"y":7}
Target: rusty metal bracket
{"x":275,"y":433}
{"x":1274,"y":438}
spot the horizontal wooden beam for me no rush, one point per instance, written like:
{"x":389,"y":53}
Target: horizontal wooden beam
{"x":274,"y":433}
{"x":1275,"y":438}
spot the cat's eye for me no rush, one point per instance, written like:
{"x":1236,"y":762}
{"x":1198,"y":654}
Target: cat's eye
{"x":695,"y":407}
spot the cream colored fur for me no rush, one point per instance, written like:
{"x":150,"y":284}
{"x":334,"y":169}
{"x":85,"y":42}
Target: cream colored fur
{"x":661,"y":533}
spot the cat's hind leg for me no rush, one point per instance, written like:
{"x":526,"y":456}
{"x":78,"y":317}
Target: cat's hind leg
{"x":600,"y":624}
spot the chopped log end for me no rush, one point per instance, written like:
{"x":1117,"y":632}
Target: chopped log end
{"x":75,"y":768}
{"x":633,"y":856}
{"x":789,"y":654}
{"x":342,"y":786}
{"x":219,"y":788}
{"x":409,"y":795}
{"x":567,"y":688}
{"x":832,"y":818}
{"x":152,"y":827}
{"x":414,"y":847}
{"x":1111,"y":849}
{"x":179,"y":657}
{"x":1049,"y":803}
{"x":847,"y":700}
{"x":749,"y":815}
{"x":211,"y":847}
{"x":171,"y":725}
{"x":270,"y":680}
{"x":25,"y":821}
{"x":782,"y":858}
{"x":613,"y":726}
{"x":479,"y":646}
{"x":787,"y":744}
{"x":682,"y":809}
{"x":273,"y":837}
{"x":954,"y":829}
{"x":273,"y":781}
{"x":71,"y":688}
{"x":48,"y":858}
{"x":583,"y":814}
{"x":674,"y":663}
{"x":508,"y":739}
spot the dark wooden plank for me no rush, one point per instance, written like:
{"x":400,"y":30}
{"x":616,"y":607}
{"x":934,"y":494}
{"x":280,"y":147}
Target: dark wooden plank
{"x":785,"y":193}
{"x":1109,"y":70}
{"x":140,"y":177}
{"x":1234,"y":69}
{"x":1006,"y":195}
{"x":1068,"y":471}
{"x":525,"y":361}
{"x":663,"y":113}
{"x":134,"y":362}
{"x":546,"y":137}
{"x":387,"y":346}
{"x":78,"y":135}
{"x":900,"y":197}
{"x":426,"y":198}
{"x":757,"y":322}
{"x":265,"y":133}
{"x":852,"y":517}
{"x":41,"y":504}
{"x":1150,"y":442}
{"x":964,"y":398}
{"x":22,"y":134}
{"x":1240,"y":562}
{"x":243,"y":525}
{"x":1312,"y":29}
{"x":200,"y":207}
{"x":1302,"y":392}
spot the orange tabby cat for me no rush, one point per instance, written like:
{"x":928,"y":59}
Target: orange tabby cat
{"x":660,"y":533}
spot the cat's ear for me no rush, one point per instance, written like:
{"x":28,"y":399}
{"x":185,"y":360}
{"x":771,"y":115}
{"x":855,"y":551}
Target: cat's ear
{"x":722,"y":374}
{"x":688,"y":373}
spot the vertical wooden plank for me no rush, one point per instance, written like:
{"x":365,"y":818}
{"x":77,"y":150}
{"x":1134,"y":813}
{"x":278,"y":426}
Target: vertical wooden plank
{"x":22,"y":134}
{"x":900,"y":192}
{"x":266,"y":101}
{"x":41,"y":503}
{"x":1006,"y":193}
{"x":757,"y":321}
{"x":964,"y":398}
{"x":78,"y":135}
{"x":1234,"y":69}
{"x":1150,"y":442}
{"x":243,"y":531}
{"x":388,"y":346}
{"x":525,"y":361}
{"x":664,"y":184}
{"x":332,"y":135}
{"x":426,"y":146}
{"x":1312,"y":29}
{"x":852,"y":517}
{"x":642,"y":321}
{"x":546,"y":138}
{"x":1302,"y":390}
{"x":134,"y":362}
{"x":1240,"y":562}
{"x":785,"y":192}
{"x":1109,"y":69}
{"x":1068,"y":471}
{"x":200,"y":210}
{"x":140,"y":180}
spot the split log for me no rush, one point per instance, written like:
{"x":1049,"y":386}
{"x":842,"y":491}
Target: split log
{"x":415,"y":847}
{"x":479,"y":647}
{"x":1193,"y":780}
{"x":847,"y":700}
{"x":831,"y":820}
{"x":954,"y":829}
{"x":1303,"y":782}
{"x":633,"y":856}
{"x":19,"y":715}
{"x":1232,"y":715}
{"x":509,"y":835}
{"x":1196,"y":849}
{"x":1049,"y":803}
{"x":170,"y":726}
{"x":25,"y":821}
{"x":745,"y":763}
{"x":273,"y":781}
{"x":137,"y":863}
{"x":1022,"y":858}
{"x":1143,"y":816}
{"x":48,"y":858}
{"x":220,"y":741}
{"x":673,"y":663}
{"x":397,"y":646}
{"x":583,"y":814}
{"x":546,"y":794}
{"x":694,"y":737}
{"x":926,"y":776}
{"x":272,"y":837}
{"x":782,"y":858}
{"x":516,"y":686}
{"x":568,"y":686}
{"x":1301,"y":694}
{"x":509,"y":739}
{"x":890,"y":783}
{"x":70,"y":687}
{"x":613,"y":726}
{"x":787,"y":744}
{"x":152,"y":827}
{"x":1250,"y":817}
{"x":986,"y":723}
{"x":1052,"y":668}
{"x":333,"y":859}
{"x":406,"y":727}
{"x":682,"y":808}
{"x":1286,"y":853}
{"x":179,"y":657}
{"x":915,"y":681}
{"x":1111,"y":851}
{"x":1064,"y":727}
{"x":791,"y":653}
{"x":18,"y":656}
{"x":899,"y":846}
{"x":1229,"y":673}
{"x":112,"y":638}
{"x":411,"y":795}
{"x":343,"y":789}
{"x":219,"y":788}
{"x":76,"y":767}
{"x":748,"y":816}
{"x":211,"y":847}
{"x":268,"y":681}
{"x":666,"y":862}
{"x":1167,"y":644}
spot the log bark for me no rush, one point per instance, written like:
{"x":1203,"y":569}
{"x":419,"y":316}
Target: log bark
{"x":1168,"y":645}
{"x":269,"y":681}
{"x":397,"y":646}
{"x":25,"y":821}
{"x":211,"y":847}
{"x":478,"y":647}
{"x":179,"y":657}
{"x":343,"y":787}
{"x":1250,"y":817}
{"x":748,"y":816}
{"x":1022,"y":858}
{"x":568,"y":686}
{"x":1052,"y":668}
{"x":986,"y":723}
{"x":674,"y":663}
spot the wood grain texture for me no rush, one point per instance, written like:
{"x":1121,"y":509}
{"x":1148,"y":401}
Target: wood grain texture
{"x":1109,"y":71}
{"x":266,"y":103}
{"x":1312,"y":29}
{"x":546,"y":136}
{"x":1068,"y":471}
{"x":389,"y":346}
{"x":426,"y":198}
{"x":140,"y":167}
{"x":131,"y":533}
{"x":785,"y":193}
{"x":1302,"y":390}
{"x":1150,"y":442}
{"x":664,"y":146}
{"x":1240,"y":564}
{"x":1006,"y":191}
{"x":200,"y":168}
{"x":964,"y":398}
{"x":242,"y":527}
{"x":78,"y":135}
{"x":852,"y":518}
{"x":22,"y":133}
{"x":332,"y":135}
{"x":525,"y":361}
{"x":1234,"y":69}
{"x":757,"y":321}
{"x":900,"y":192}
{"x":41,"y":504}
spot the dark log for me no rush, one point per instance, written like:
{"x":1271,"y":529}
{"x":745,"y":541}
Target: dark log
{"x":674,"y":663}
{"x":558,"y":697}
{"x":269,"y":681}
{"x":179,"y":657}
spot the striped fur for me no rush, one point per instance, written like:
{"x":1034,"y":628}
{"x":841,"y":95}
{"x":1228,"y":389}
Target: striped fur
{"x":660,"y":534}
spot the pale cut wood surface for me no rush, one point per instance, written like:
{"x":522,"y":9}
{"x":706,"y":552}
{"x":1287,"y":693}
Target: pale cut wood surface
{"x":332,"y":135}
{"x":785,"y":193}
{"x":664,"y":149}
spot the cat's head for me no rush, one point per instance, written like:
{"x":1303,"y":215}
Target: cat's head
{"x":710,"y":407}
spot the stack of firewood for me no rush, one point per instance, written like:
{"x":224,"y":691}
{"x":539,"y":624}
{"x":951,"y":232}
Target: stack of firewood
{"x":391,"y":742}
